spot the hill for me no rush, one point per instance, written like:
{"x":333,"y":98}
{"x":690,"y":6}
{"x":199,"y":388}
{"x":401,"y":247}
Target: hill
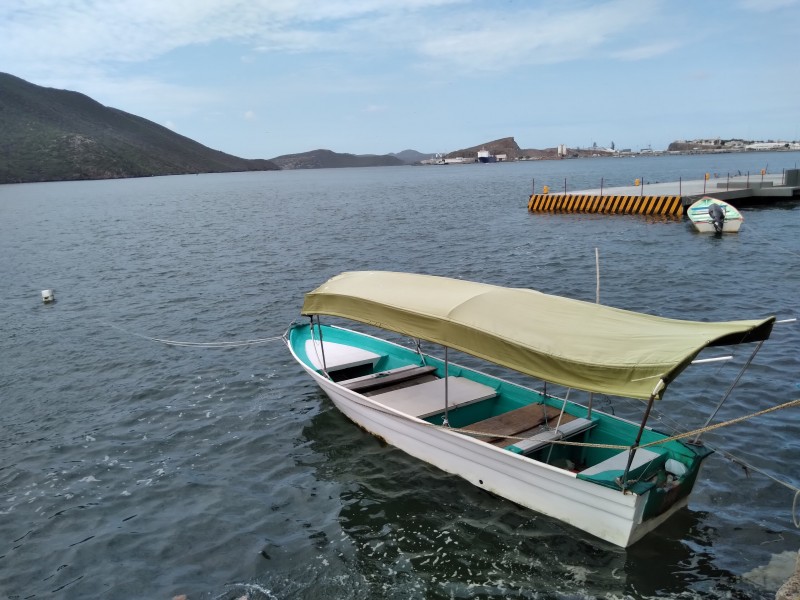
{"x":411,"y":157}
{"x":56,"y":135}
{"x":507,"y":146}
{"x":327,"y":159}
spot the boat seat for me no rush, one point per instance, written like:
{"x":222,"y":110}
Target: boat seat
{"x":565,"y":430}
{"x":338,"y":356}
{"x":610,"y":470}
{"x":427,"y":399}
{"x":517,"y":422}
{"x":381,"y":379}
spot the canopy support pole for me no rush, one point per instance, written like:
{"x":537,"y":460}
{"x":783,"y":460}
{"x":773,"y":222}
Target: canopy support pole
{"x":417,"y":343}
{"x":597,"y":301}
{"x":624,"y":482}
{"x":446,"y":398}
{"x":321,"y":345}
{"x":696,"y":440}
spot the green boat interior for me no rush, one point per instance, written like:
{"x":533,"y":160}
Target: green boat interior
{"x":503,"y":414}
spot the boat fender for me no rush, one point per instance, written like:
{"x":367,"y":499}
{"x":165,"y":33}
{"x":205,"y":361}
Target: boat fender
{"x":677,"y":468}
{"x":717,"y":216}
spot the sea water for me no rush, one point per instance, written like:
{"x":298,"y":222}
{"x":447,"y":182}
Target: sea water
{"x":130,"y":468}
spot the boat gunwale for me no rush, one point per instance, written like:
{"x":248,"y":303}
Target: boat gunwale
{"x":379,"y":407}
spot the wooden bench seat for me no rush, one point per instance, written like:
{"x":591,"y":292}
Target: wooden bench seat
{"x":527,"y":422}
{"x":515,"y":422}
{"x":567,"y":428}
{"x":374,"y":381}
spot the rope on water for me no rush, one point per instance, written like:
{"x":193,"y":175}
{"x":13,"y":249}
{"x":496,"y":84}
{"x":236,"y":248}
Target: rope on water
{"x":231,"y":344}
{"x":794,"y":510}
{"x":748,"y":467}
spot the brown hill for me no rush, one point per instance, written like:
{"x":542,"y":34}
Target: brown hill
{"x":55,"y":135}
{"x":327,"y":159}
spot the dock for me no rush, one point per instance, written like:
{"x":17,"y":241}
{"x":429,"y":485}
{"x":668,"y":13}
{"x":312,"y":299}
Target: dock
{"x":672,"y":198}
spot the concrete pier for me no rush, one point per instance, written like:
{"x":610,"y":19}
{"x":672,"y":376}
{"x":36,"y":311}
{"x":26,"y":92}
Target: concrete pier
{"x":673,"y":198}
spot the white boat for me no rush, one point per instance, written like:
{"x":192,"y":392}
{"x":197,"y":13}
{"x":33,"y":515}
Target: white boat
{"x":711,"y":215}
{"x":485,"y":156}
{"x":610,"y":477}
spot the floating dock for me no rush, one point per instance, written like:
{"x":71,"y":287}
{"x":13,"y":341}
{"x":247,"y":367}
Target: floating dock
{"x":672,"y":198}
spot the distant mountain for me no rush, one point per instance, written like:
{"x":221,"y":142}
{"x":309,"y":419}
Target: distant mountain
{"x":327,"y":159}
{"x":54,"y":135}
{"x":505,"y":146}
{"x":412,"y":156}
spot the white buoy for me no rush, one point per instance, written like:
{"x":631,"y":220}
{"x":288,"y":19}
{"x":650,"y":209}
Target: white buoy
{"x":48,"y":296}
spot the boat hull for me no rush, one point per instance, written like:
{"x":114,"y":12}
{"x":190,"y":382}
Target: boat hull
{"x":617,"y":517}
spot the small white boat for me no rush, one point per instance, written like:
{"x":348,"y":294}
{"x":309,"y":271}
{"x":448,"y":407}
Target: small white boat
{"x":610,"y":477}
{"x":711,"y":215}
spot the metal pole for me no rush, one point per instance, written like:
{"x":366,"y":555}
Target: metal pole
{"x":533,"y":186}
{"x":641,"y":192}
{"x":624,"y":482}
{"x":680,"y":186}
{"x":597,"y":300}
{"x":696,"y":440}
{"x":601,"y":186}
{"x":597,"y":270}
{"x":565,"y":185}
{"x":728,"y":182}
{"x":321,"y":346}
{"x":446,"y":399}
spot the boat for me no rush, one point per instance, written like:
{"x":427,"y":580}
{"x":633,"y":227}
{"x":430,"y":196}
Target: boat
{"x":711,"y":215}
{"x":485,"y":156}
{"x":610,"y":477}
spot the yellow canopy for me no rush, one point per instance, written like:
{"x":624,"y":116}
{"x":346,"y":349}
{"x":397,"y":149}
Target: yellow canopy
{"x":569,"y":342}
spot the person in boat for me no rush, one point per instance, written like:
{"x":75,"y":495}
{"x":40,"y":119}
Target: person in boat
{"x":717,"y":214}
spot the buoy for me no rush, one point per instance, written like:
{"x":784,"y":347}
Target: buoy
{"x":48,"y":296}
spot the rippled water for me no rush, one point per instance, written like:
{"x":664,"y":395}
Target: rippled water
{"x":132,"y":469}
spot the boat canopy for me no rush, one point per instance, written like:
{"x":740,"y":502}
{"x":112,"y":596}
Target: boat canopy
{"x":572,"y":343}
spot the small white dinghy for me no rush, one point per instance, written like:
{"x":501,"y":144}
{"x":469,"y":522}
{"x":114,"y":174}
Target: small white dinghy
{"x":711,"y":215}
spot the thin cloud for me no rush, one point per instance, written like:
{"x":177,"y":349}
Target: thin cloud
{"x":647,"y":51}
{"x":765,"y":6}
{"x":45,"y":33}
{"x":496,"y":40}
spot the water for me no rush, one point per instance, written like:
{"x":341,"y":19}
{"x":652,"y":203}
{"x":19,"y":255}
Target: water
{"x":132,"y":469}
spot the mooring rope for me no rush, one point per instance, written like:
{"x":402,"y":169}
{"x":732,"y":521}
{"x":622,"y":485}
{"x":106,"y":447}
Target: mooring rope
{"x":224,"y":344}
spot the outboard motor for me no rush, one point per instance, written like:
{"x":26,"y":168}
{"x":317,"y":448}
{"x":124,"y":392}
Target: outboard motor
{"x":717,"y":214}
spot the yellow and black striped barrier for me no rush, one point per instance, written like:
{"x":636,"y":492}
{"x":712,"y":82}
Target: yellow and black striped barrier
{"x":617,"y":205}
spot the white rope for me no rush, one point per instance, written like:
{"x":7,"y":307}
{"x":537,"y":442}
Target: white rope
{"x":231,"y":344}
{"x":794,"y":510}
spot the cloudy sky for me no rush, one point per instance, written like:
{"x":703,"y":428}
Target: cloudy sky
{"x":261,"y":78}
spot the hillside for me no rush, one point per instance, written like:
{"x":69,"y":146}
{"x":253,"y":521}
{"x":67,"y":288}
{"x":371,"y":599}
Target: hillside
{"x":57,"y":135}
{"x":507,"y":146}
{"x":327,"y":159}
{"x":411,"y":157}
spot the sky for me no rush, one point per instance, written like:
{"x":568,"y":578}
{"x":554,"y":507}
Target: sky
{"x":263,"y":78}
